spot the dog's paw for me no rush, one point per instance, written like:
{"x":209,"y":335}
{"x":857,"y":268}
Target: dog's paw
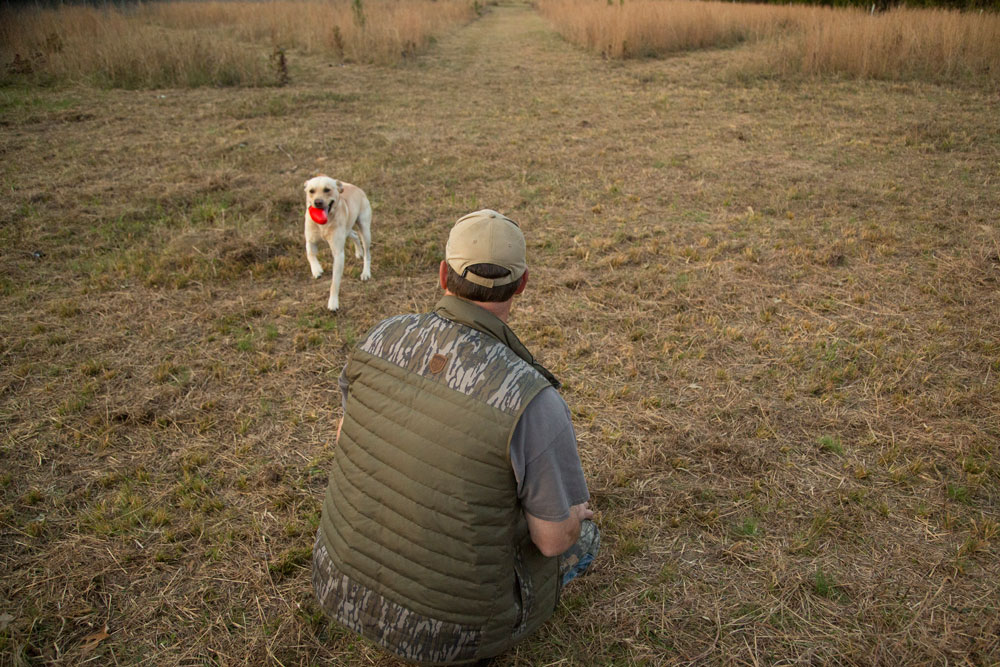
{"x":317,"y":272}
{"x":332,"y":306}
{"x":366,"y":275}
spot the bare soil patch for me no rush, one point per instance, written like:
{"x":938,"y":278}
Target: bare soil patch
{"x":774,"y":306}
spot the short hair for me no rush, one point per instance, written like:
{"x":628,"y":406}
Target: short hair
{"x":467,"y":289}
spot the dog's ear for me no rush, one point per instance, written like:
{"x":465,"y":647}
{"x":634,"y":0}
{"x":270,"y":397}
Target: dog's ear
{"x":340,"y":187}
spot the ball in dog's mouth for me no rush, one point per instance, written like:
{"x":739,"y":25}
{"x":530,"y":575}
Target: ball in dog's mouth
{"x":318,"y":215}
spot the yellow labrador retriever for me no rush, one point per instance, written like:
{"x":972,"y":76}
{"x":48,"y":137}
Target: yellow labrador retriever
{"x":333,"y":208}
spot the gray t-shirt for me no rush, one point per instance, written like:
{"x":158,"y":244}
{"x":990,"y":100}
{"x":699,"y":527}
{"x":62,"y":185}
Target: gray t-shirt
{"x":545,"y":460}
{"x":543,"y":455}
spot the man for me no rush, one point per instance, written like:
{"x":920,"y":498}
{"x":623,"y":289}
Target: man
{"x":457,"y":506}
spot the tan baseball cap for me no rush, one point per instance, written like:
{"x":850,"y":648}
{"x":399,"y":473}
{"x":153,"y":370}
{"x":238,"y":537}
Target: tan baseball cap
{"x":486,"y":237}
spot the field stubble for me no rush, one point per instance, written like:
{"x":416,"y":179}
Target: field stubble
{"x":774,"y":307}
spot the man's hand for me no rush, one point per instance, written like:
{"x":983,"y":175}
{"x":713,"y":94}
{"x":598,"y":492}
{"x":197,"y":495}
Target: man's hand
{"x":553,"y":538}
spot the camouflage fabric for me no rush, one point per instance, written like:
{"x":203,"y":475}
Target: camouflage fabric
{"x":572,"y":564}
{"x":579,"y":557}
{"x":459,"y":310}
{"x":504,"y":385}
{"x":525,"y":597}
{"x":411,"y":636}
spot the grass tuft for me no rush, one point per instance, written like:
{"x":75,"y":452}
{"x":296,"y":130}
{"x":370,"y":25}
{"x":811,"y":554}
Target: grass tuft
{"x":823,"y":585}
{"x":831,"y":444}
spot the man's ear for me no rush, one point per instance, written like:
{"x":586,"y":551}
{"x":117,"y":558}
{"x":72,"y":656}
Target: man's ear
{"x":443,"y":274}
{"x":523,"y":283}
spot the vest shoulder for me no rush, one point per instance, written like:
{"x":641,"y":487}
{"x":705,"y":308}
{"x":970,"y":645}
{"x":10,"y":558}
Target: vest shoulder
{"x":456,"y":355}
{"x":393,"y":329}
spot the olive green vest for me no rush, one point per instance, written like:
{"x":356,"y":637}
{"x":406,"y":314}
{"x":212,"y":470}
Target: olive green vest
{"x":423,"y":546}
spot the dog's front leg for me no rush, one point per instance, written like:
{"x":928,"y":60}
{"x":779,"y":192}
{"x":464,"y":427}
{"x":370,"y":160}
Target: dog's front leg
{"x":312,"y":244}
{"x":314,"y":265}
{"x":337,"y":246}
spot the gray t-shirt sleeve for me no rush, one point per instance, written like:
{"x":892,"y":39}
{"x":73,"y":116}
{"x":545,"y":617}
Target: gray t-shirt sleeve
{"x":545,"y":460}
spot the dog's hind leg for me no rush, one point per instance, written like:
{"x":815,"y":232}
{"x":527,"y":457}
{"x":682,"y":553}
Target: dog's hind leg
{"x":357,"y":244}
{"x":365,"y":225}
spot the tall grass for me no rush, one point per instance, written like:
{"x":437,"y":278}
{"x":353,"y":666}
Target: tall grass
{"x":112,"y":48}
{"x":898,"y":44}
{"x":642,"y":28}
{"x":167,"y":44}
{"x":389,"y":30}
{"x":933,"y":44}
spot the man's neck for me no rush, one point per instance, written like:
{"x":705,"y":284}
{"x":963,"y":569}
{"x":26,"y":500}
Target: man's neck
{"x":500,"y":309}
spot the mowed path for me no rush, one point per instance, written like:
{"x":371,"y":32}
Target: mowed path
{"x":499,"y":103}
{"x":503,"y":112}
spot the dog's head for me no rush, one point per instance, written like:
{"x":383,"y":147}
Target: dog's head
{"x":323,"y":192}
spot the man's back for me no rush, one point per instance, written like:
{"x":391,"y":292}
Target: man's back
{"x":421,"y":509}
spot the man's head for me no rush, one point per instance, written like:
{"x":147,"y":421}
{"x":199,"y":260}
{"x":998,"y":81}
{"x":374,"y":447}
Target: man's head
{"x":485,"y":258}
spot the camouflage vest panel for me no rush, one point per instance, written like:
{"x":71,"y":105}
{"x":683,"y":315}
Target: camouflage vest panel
{"x":423,"y":546}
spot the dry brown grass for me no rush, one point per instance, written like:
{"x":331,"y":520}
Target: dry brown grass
{"x":113,"y":48}
{"x":775,"y":306}
{"x":167,"y":44}
{"x":652,"y":27}
{"x":902,"y":43}
{"x":388,"y":31}
{"x":931,"y":44}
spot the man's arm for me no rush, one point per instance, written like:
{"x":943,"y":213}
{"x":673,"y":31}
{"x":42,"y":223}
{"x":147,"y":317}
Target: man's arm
{"x":550,"y":481}
{"x":553,"y":538}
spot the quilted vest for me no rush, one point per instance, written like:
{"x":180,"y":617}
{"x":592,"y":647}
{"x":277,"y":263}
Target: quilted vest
{"x":423,"y":546}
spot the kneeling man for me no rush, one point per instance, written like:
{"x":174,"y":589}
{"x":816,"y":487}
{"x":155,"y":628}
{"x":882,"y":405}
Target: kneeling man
{"x":457,"y":507}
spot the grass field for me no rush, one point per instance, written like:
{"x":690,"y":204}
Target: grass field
{"x":774,"y":303}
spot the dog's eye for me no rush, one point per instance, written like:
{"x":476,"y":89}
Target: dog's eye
{"x":313,"y":191}
{"x":326,"y":189}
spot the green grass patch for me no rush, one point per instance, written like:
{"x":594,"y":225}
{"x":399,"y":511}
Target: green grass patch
{"x":959,"y":493}
{"x":824,"y":585}
{"x":749,"y":527}
{"x":831,"y":444}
